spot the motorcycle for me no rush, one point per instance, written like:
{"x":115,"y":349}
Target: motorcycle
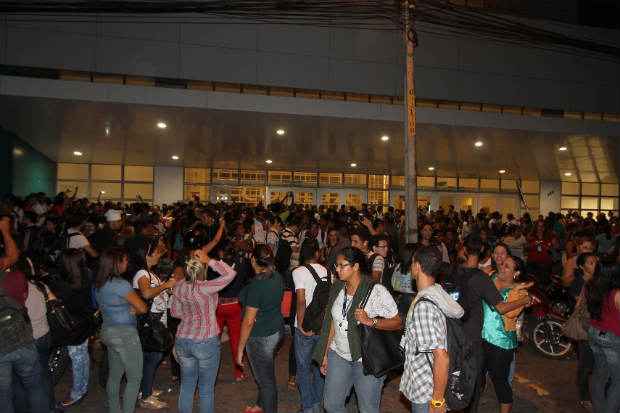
{"x":543,"y":322}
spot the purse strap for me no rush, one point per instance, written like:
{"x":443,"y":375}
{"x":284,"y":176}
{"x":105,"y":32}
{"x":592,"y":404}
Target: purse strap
{"x":367,"y":297}
{"x":41,"y":287}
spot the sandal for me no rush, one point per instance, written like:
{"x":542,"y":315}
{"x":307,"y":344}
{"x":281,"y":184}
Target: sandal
{"x":292,"y":383}
{"x":242,"y":377}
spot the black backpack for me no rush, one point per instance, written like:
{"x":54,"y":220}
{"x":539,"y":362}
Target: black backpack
{"x":463,"y":368}
{"x":283,"y":256}
{"x":315,"y":312}
{"x":15,"y":328}
{"x":389,"y":267}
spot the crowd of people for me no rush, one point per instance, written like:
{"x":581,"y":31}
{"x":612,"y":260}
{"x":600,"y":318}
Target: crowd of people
{"x":150,"y":282}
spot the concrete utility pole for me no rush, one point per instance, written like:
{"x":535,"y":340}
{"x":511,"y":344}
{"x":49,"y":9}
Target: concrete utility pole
{"x":411,"y":184}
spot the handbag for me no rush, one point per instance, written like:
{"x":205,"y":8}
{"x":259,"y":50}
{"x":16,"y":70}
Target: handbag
{"x":381,"y":350}
{"x":66,"y":329}
{"x":576,"y":327}
{"x":287,"y":303}
{"x":154,"y":335}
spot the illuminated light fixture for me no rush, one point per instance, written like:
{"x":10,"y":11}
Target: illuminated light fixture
{"x":268,"y":161}
{"x":18,"y":152}
{"x":280,"y":132}
{"x":353,"y":165}
{"x":77,"y":153}
{"x":431,"y":168}
{"x":107,"y":129}
{"x":562,"y":148}
{"x":479,"y":144}
{"x":175,"y":157}
{"x":502,"y":171}
{"x":385,"y":138}
{"x":102,"y":192}
{"x":162,"y":125}
{"x":568,"y":174}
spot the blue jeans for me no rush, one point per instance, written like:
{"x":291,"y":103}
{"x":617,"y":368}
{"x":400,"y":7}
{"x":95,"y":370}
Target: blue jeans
{"x":420,"y":407}
{"x":80,"y":368}
{"x":309,"y":378}
{"x":25,"y":363}
{"x":151,"y":362}
{"x":199,"y":361}
{"x":342,"y":375}
{"x":606,"y":374}
{"x":261,"y":354}
{"x":20,"y":396}
{"x":124,"y":357}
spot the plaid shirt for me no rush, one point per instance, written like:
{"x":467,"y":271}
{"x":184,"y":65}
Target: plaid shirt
{"x":425,"y":331}
{"x":195,"y":303}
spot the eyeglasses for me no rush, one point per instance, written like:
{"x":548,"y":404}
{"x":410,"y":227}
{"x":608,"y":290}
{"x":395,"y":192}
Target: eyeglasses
{"x":382,"y":246}
{"x":343,"y":265}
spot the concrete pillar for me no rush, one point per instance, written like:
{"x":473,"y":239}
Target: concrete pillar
{"x":168,"y":184}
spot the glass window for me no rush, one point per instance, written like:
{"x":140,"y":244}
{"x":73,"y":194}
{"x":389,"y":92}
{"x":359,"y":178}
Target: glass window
{"x":379,"y":181}
{"x":280,"y":177}
{"x":590,"y":189}
{"x":305,"y":178}
{"x":225,"y":175}
{"x":609,"y":204}
{"x":72,"y":171}
{"x":132,"y":191}
{"x":197,"y":175}
{"x":508,"y":185}
{"x":533,"y":202}
{"x":355,"y":179}
{"x":468,"y":183}
{"x":304,"y":198}
{"x":68,"y":187}
{"x":330,"y":199}
{"x":398,"y":181}
{"x":609,"y":189}
{"x":253,"y":177}
{"x":446,"y":183}
{"x":425,"y":181}
{"x":570,"y":202}
{"x":276,"y":196}
{"x":589,"y":203}
{"x":584,"y":213}
{"x":192,"y":191}
{"x":530,"y":187}
{"x":138,"y":173}
{"x":570,"y":188}
{"x":489,"y":185}
{"x":252,"y":195}
{"x":354,"y":200}
{"x":327,"y":179}
{"x":105,"y":172}
{"x":378,"y":197}
{"x":107,"y":190}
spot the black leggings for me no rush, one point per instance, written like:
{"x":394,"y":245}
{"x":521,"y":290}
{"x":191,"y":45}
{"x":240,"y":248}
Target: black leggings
{"x":497,"y":363}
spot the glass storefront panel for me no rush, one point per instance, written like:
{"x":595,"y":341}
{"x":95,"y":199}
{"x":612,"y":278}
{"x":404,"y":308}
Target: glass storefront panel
{"x":305,"y":178}
{"x":105,"y":172}
{"x":398,"y":181}
{"x":489,"y":184}
{"x":378,"y":181}
{"x":470,"y":184}
{"x":330,"y":199}
{"x":193,"y":191}
{"x":590,"y":189}
{"x":354,"y":200}
{"x":327,"y":179}
{"x":197,"y":175}
{"x":609,"y":204}
{"x":570,"y":188}
{"x":508,"y":185}
{"x":378,"y":197}
{"x":72,"y":171}
{"x":570,"y":202}
{"x":589,"y":203}
{"x":446,"y":183}
{"x":355,"y":179}
{"x":131,"y":191}
{"x":304,"y":198}
{"x":427,"y":182}
{"x":280,"y":178}
{"x":530,"y":187}
{"x":107,"y":190}
{"x":68,"y":187}
{"x":609,"y":189}
{"x":138,"y":173}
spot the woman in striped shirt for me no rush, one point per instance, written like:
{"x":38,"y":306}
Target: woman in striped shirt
{"x":197,"y":347}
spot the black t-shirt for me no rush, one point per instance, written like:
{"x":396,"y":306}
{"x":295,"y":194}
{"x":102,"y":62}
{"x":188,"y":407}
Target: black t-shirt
{"x":475,"y":286}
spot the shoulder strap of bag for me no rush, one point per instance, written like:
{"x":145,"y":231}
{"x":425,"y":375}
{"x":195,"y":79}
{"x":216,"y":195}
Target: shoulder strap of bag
{"x":367,"y":297}
{"x":41,"y":287}
{"x":313,"y":272}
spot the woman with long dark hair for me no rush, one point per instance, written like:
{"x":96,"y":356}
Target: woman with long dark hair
{"x":155,"y":291}
{"x":603,"y":295}
{"x":119,"y":304}
{"x":262,"y":327}
{"x":339,"y":349}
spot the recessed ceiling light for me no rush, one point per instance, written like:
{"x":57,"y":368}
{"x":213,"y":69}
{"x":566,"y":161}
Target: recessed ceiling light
{"x":268,"y":161}
{"x":568,"y":174}
{"x":502,"y":171}
{"x":102,"y":192}
{"x":562,"y":148}
{"x":280,"y":132}
{"x":431,"y":168}
{"x":107,"y":129}
{"x":479,"y":144}
{"x":18,"y":152}
{"x":385,"y":138}
{"x":353,"y":165}
{"x":162,"y":125}
{"x":175,"y":157}
{"x":77,"y":153}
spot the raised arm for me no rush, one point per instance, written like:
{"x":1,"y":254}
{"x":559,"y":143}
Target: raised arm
{"x":11,"y":253}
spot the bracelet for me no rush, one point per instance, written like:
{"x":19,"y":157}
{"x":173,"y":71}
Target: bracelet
{"x":438,"y":403}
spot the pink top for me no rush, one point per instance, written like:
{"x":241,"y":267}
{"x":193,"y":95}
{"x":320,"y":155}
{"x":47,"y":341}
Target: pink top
{"x":610,"y":317}
{"x":195,"y":303}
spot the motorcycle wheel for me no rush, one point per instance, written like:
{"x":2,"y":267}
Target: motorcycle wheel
{"x":58,"y":363}
{"x":547,"y":338}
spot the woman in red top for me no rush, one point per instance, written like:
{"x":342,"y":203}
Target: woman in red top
{"x":603,"y":297}
{"x":539,"y":259}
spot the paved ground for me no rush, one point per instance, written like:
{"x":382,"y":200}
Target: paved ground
{"x":541,"y":385}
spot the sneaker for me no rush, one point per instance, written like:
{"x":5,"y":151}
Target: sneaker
{"x":152,"y":403}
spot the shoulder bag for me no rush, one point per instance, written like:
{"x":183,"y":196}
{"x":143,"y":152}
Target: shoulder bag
{"x":154,"y":334}
{"x":576,"y":326}
{"x":381,"y":350}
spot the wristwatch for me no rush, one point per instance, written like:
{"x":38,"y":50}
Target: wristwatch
{"x":438,"y":403}
{"x":374,"y":322}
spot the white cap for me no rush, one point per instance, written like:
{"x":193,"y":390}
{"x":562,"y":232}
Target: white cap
{"x":113,"y":215}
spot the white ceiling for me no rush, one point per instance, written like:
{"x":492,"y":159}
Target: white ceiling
{"x":246,"y":139}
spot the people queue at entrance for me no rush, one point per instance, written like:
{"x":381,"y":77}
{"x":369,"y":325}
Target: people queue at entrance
{"x":149,"y":283}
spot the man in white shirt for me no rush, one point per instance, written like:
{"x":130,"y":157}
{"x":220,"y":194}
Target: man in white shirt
{"x":75,"y":238}
{"x":309,"y":377}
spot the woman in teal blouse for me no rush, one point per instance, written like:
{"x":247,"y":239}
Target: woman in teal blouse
{"x":499,"y":342}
